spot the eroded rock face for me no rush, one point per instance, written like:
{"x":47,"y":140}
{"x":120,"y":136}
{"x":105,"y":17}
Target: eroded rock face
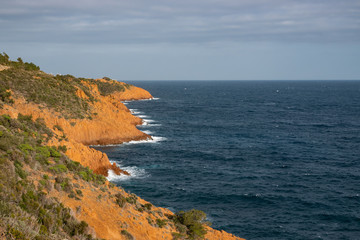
{"x":99,"y":207}
{"x":111,"y":123}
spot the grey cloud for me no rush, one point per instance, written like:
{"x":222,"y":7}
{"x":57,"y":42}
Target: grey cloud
{"x":145,"y":21}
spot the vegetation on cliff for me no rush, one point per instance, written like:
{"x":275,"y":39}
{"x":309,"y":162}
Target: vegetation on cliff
{"x":46,"y":195}
{"x":30,"y":170}
{"x":56,"y":92}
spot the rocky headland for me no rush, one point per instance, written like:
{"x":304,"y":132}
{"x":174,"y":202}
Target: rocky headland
{"x":47,"y":126}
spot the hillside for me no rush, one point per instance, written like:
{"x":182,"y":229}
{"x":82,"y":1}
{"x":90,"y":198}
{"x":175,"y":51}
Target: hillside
{"x":52,"y":184}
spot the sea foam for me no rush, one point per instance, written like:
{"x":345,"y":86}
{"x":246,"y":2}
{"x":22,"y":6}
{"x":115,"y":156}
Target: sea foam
{"x":134,"y":172}
{"x":135,"y":111}
{"x":153,"y":140}
{"x":148,"y":132}
{"x":142,"y":116}
{"x":149,"y":99}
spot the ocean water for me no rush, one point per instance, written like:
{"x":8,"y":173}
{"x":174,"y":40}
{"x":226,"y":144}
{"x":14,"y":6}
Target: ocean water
{"x":263,"y":159}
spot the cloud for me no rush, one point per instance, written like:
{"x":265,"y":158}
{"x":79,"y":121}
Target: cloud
{"x":170,"y":21}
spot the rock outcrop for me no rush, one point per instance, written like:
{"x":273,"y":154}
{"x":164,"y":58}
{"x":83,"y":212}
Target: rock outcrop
{"x":109,"y":122}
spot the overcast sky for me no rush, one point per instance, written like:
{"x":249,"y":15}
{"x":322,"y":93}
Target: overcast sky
{"x":186,"y":40}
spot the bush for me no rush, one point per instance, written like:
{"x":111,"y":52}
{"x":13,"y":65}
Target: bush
{"x":60,"y":168}
{"x":193,"y":221}
{"x":23,"y":118}
{"x":5,"y":95}
{"x":18,"y":169}
{"x":43,"y":151}
{"x":62,"y":149}
{"x":88,"y":175}
{"x":161,"y":222}
{"x":54,"y":152}
{"x":148,"y":206}
{"x":120,"y":200}
{"x":58,"y":127}
{"x":127,"y":235}
{"x":25,"y":148}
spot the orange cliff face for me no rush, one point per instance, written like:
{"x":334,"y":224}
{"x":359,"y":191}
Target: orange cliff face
{"x":109,"y":219}
{"x":111,"y":123}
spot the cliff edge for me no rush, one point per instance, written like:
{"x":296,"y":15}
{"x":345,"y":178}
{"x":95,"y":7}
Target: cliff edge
{"x":49,"y":186}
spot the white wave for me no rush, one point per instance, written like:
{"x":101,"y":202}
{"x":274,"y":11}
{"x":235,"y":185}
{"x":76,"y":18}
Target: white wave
{"x":146,"y":124}
{"x":142,"y":116}
{"x":149,"y":99}
{"x":107,"y":145}
{"x":134,"y":172}
{"x":148,"y":132}
{"x":135,"y":111}
{"x":148,"y":120}
{"x":153,"y":140}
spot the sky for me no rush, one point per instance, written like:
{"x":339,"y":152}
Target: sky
{"x":186,"y":39}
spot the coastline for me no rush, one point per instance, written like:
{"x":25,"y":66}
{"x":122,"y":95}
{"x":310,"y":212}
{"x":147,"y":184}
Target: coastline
{"x":101,"y":206}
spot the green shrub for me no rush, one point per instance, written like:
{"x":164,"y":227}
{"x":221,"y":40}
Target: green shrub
{"x":25,"y":148}
{"x":43,"y":151}
{"x":62,"y":149}
{"x":85,"y":175}
{"x":79,"y":192}
{"x":58,"y":127}
{"x":60,"y":168}
{"x":66,"y":186}
{"x":177,"y":236}
{"x":5,"y":95}
{"x":23,"y":118}
{"x":191,"y":222}
{"x":42,"y":182}
{"x":131,"y":200}
{"x":161,"y":222}
{"x":42,"y":155}
{"x":18,"y":169}
{"x":54,"y":152}
{"x":127,"y":235}
{"x":120,"y":199}
{"x":13,"y":233}
{"x":148,"y":206}
{"x":88,"y":175}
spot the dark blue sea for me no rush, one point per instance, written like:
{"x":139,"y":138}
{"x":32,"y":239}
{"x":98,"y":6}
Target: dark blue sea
{"x":263,"y":159}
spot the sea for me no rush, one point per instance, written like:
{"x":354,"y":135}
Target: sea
{"x":263,"y":159}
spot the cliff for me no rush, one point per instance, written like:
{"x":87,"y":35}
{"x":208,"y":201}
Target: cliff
{"x":46,"y":126}
{"x":108,"y":122}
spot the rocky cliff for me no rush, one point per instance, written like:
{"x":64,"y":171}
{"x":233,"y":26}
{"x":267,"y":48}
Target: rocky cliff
{"x":80,"y":112}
